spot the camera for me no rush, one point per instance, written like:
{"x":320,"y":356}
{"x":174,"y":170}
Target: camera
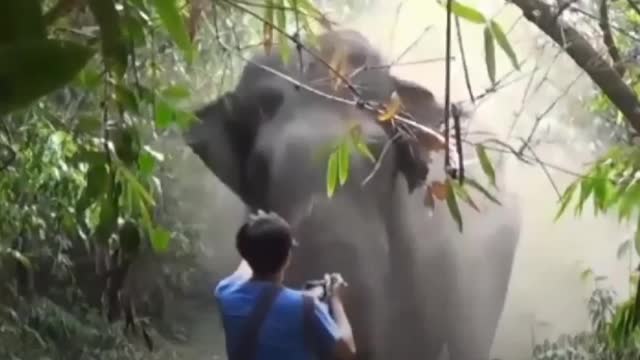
{"x":325,"y":285}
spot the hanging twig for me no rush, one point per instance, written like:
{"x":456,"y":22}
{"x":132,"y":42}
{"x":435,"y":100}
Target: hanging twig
{"x":465,"y":68}
{"x":412,"y":45}
{"x":447,"y":90}
{"x":543,"y":167}
{"x":456,"y":122}
{"x":378,"y":163}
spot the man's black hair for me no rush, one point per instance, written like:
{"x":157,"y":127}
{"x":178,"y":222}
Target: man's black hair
{"x":264,"y":241}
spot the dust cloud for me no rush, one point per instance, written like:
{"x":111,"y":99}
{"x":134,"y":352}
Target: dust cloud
{"x":547,"y":295}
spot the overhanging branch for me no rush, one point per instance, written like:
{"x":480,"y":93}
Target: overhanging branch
{"x":585,"y":56}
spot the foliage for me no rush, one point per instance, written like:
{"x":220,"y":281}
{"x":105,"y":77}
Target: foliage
{"x":603,"y":341}
{"x":86,"y":90}
{"x":612,"y":182}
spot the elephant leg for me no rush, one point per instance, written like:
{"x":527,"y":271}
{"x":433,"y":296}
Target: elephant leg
{"x":417,"y":284}
{"x":479,"y":292}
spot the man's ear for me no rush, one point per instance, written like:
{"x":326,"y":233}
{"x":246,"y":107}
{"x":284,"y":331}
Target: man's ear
{"x":226,"y":130}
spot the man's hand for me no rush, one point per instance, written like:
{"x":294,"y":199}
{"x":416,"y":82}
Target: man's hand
{"x":336,"y":285}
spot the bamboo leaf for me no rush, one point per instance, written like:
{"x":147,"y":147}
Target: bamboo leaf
{"x":566,"y":199}
{"x":362,"y":147}
{"x":464,"y":11}
{"x":466,"y":197}
{"x":343,"y":162}
{"x":176,"y":26}
{"x":586,"y":188}
{"x":485,"y":163}
{"x":637,"y":237}
{"x":490,"y":54}
{"x":503,"y":42}
{"x":134,"y":183}
{"x":332,"y":174}
{"x":473,"y":183}
{"x":452,"y":203}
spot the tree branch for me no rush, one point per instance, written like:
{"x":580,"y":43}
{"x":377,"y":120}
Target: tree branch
{"x":585,"y":56}
{"x":607,"y":37}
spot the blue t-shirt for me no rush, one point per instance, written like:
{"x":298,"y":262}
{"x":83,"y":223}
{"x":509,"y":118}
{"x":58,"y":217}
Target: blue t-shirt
{"x":281,"y":335}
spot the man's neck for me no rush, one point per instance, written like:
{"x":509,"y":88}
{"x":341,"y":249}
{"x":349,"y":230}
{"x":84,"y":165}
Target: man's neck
{"x":276,"y":278}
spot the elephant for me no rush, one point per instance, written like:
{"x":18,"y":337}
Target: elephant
{"x":417,"y":285}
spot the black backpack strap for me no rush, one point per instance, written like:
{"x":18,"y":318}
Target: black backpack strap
{"x":310,"y":336}
{"x":247,"y":345}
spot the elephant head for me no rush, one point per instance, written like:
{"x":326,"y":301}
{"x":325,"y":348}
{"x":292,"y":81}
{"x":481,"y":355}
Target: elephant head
{"x":237,"y":134}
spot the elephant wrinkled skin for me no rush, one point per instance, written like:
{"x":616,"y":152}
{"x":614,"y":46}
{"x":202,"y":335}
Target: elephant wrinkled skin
{"x":416,"y":282}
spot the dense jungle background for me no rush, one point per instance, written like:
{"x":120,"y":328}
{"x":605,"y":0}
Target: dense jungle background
{"x":112,"y":232}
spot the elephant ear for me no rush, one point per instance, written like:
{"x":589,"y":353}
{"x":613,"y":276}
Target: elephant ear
{"x":226,"y":130}
{"x":420,"y":103}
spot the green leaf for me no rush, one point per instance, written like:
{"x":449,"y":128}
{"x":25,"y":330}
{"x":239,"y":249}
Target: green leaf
{"x":175,"y":25}
{"x":464,"y":11}
{"x":30,"y":70}
{"x":146,"y":163}
{"x":97,"y":184}
{"x":566,"y":199}
{"x":175,"y":92}
{"x":332,"y":174}
{"x":160,"y":239}
{"x":165,"y":114}
{"x":364,"y":150}
{"x":133,"y":182}
{"x":464,"y":195}
{"x":88,"y":78}
{"x":473,"y":183}
{"x":114,"y":47}
{"x":21,"y":20}
{"x":503,"y":42}
{"x":586,"y":188}
{"x":486,"y":164}
{"x":452,"y":204}
{"x":490,"y":55}
{"x":629,"y":201}
{"x":343,"y":162}
{"x":637,"y":237}
{"x":356,"y":139}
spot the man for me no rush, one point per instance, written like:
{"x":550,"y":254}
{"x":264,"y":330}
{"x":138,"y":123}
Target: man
{"x":264,"y":320}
